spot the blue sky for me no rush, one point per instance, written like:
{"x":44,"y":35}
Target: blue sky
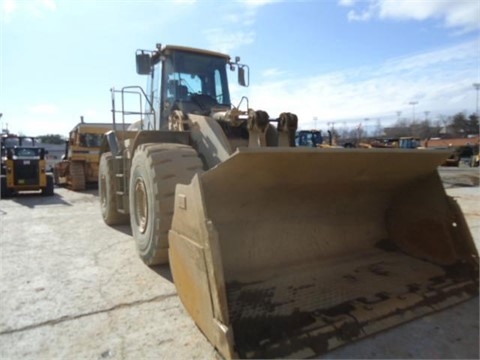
{"x":335,"y":61}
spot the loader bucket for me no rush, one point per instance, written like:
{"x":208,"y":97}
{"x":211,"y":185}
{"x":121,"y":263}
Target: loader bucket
{"x":293,"y":252}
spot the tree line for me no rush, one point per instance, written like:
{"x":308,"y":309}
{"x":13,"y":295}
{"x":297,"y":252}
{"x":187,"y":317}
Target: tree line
{"x":458,"y":125}
{"x":52,"y":139}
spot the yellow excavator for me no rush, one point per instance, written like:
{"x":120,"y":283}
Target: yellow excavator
{"x":222,"y":194}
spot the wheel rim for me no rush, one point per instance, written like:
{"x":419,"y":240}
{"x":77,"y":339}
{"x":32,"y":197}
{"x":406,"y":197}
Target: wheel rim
{"x":141,"y":206}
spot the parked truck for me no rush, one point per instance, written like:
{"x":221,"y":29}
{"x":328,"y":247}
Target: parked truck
{"x":222,"y":194}
{"x":79,"y":165}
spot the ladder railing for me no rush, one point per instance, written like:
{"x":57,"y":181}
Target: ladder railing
{"x":121,"y":162}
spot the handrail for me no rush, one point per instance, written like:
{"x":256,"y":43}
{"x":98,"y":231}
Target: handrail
{"x":135,"y":90}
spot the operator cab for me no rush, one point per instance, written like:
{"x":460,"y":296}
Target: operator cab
{"x":192,"y":80}
{"x":195,"y":83}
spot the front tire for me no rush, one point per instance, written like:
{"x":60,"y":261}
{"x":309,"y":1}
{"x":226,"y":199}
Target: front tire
{"x":155,"y":172}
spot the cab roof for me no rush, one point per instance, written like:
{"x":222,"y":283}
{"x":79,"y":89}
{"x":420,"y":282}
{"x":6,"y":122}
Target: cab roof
{"x":172,"y":48}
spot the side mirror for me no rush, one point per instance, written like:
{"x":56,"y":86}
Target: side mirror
{"x":243,"y":75}
{"x":144,"y":63}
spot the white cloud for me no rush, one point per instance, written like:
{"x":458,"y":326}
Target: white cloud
{"x":272,"y":72}
{"x":460,"y":14}
{"x":9,"y":6}
{"x":440,"y":80}
{"x":347,"y":2}
{"x":33,"y":8}
{"x":437,"y":58}
{"x":48,"y":4}
{"x":227,"y":41}
{"x":359,"y":16}
{"x":237,"y":27}
{"x":43,"y":109}
{"x":258,"y":3}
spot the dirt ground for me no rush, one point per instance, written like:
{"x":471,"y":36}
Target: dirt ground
{"x":73,"y":288}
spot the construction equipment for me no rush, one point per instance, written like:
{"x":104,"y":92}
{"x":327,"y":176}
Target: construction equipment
{"x":79,"y":165}
{"x":406,"y":142}
{"x":23,"y":166}
{"x":227,"y":199}
{"x":314,"y":138}
{"x":309,"y":138}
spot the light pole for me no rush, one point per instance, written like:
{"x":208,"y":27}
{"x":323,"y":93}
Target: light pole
{"x":477,"y":87}
{"x":398,"y":116}
{"x":413,"y":103}
{"x":366,"y":127}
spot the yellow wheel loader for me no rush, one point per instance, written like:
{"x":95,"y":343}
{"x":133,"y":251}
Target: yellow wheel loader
{"x":224,"y":196}
{"x":79,"y":165}
{"x":23,"y":166}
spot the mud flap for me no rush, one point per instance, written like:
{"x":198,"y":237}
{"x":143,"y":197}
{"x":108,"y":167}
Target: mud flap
{"x":292,"y":252}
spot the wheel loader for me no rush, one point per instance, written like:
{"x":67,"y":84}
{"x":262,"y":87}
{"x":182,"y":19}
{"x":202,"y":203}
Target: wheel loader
{"x":222,"y":194}
{"x":79,"y":165}
{"x":23,"y":166}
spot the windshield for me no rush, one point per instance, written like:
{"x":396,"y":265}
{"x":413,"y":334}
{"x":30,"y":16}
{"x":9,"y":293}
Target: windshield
{"x":196,"y":77}
{"x":90,"y":140}
{"x":308,"y":138}
{"x":27,"y":152}
{"x":408,"y":143}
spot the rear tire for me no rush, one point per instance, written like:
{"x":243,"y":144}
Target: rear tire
{"x":107,"y":190}
{"x":77,"y":176}
{"x":156,"y":170}
{"x":48,"y":190}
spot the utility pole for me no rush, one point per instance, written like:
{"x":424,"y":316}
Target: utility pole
{"x":477,"y":88}
{"x":413,"y":103}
